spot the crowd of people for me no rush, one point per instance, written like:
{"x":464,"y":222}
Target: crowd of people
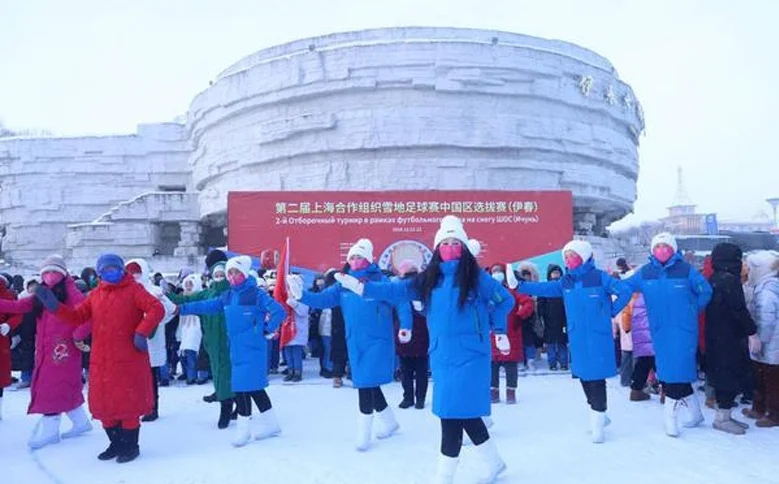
{"x":660,"y":326}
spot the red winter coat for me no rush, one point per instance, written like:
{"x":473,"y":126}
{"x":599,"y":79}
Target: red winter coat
{"x":56,"y":378}
{"x":523,"y":309}
{"x":12,"y":320}
{"x":120,"y":385}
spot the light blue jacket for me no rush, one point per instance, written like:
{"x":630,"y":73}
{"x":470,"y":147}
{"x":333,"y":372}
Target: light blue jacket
{"x":460,"y":346}
{"x":249,"y":313}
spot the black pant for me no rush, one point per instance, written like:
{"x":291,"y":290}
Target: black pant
{"x":155,"y":385}
{"x":339,"y":368}
{"x":677,"y":391}
{"x":725,"y":399}
{"x":452,"y":434}
{"x":243,"y":402}
{"x":595,"y":391}
{"x":1,"y":392}
{"x":512,"y":373}
{"x":641,"y":368}
{"x":414,"y":369}
{"x":371,"y":399}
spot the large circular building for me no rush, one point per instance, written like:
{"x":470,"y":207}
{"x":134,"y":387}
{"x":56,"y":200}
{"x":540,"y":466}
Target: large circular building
{"x":399,"y":108}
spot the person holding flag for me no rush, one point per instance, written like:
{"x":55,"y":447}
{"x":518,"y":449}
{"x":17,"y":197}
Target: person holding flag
{"x":294,"y":329}
{"x":250,"y":313}
{"x":369,"y":337}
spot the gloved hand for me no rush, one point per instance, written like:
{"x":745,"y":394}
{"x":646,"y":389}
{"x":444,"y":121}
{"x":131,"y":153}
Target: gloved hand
{"x":511,"y":278}
{"x":5,"y":328}
{"x":503,"y":344}
{"x":140,"y":342}
{"x":350,"y":283}
{"x":270,"y":336}
{"x":47,"y":298}
{"x":404,"y":336}
{"x":83,"y":347}
{"x":417,"y":305}
{"x":292,"y":302}
{"x":295,"y":285}
{"x":15,"y":341}
{"x":755,"y":345}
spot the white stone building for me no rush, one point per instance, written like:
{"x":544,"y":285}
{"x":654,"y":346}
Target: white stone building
{"x":386,"y":109}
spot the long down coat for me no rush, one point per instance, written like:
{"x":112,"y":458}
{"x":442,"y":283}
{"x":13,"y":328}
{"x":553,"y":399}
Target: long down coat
{"x":120,"y":386}
{"x":56,"y":378}
{"x":460,"y":347}
{"x":13,"y":320}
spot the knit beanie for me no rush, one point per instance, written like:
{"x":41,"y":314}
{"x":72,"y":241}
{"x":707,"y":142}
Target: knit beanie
{"x":665,"y":238}
{"x":108,"y":260}
{"x":363,"y":248}
{"x":451,"y":228}
{"x":54,"y":263}
{"x":215,"y":256}
{"x":242,"y":263}
{"x":581,"y":247}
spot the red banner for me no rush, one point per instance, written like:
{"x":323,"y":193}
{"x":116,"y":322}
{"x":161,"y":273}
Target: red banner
{"x":511,"y":226}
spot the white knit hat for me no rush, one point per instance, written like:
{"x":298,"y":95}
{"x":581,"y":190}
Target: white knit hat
{"x":363,"y":248}
{"x":665,"y":238}
{"x":242,"y":263}
{"x":54,"y":263}
{"x":581,"y":247}
{"x":451,"y":228}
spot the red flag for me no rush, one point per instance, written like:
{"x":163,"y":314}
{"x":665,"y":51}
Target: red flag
{"x":288,"y":329}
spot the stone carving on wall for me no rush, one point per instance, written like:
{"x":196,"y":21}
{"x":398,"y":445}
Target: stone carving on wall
{"x":585,"y":84}
{"x":611,"y":96}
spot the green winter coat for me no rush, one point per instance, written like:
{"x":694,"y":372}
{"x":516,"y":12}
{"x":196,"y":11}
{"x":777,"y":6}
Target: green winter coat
{"x":214,"y":338}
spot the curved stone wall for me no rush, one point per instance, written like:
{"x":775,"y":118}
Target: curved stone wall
{"x":420,"y":108}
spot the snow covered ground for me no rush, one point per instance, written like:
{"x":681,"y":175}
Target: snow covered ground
{"x":543,"y":439}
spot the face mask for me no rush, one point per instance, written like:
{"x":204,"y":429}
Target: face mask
{"x":499,"y":276}
{"x":573,"y":261}
{"x":359,"y":264}
{"x":51,"y":279}
{"x":450,"y":252}
{"x":555,"y":276}
{"x":663,"y":253}
{"x":112,"y":275}
{"x":237,"y":279}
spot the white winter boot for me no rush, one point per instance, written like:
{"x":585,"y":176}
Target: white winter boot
{"x":267,"y":425}
{"x":447,"y":467}
{"x":493,"y":464}
{"x":724,"y":422}
{"x":47,"y":431}
{"x":364,"y":431}
{"x":488,"y":422}
{"x":694,"y":413}
{"x":670,"y":418}
{"x":598,"y":426}
{"x":531,"y":365}
{"x":81,"y":423}
{"x":387,"y":424}
{"x":242,"y":431}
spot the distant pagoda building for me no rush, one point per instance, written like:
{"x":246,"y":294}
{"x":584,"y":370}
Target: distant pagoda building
{"x":682,"y":218}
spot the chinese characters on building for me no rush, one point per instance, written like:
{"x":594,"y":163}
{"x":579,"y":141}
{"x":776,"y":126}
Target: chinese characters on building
{"x":388,"y":208}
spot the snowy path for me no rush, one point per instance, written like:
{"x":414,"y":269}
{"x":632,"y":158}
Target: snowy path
{"x":543,"y":438}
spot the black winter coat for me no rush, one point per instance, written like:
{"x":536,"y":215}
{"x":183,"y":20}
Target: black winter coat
{"x":23,"y":356}
{"x":338,"y":353}
{"x":552,"y":313}
{"x":728,"y":322}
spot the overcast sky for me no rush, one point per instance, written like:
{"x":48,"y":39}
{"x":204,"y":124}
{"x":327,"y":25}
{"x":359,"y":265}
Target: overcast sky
{"x":706,"y":71}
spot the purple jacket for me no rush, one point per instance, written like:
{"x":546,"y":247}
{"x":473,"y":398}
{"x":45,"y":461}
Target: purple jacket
{"x":642,"y":338}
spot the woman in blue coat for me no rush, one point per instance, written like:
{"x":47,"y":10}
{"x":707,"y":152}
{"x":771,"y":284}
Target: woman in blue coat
{"x":587,"y":293}
{"x":463,"y":303}
{"x":250,"y":314}
{"x":370,"y":339}
{"x":675,"y":293}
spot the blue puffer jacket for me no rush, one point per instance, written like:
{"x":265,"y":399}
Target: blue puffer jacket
{"x":675,"y":294}
{"x":370,"y":333}
{"x":246,"y":310}
{"x":460,"y":346}
{"x":586,"y":292}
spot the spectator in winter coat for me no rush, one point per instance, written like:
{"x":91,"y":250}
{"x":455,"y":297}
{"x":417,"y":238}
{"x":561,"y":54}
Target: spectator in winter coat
{"x":675,"y":293}
{"x":587,"y":293}
{"x":522,"y":310}
{"x":23,"y":342}
{"x":369,"y":336}
{"x":215,"y":341}
{"x":122,"y":314}
{"x":552,"y":314}
{"x":728,"y":327}
{"x":626,"y":360}
{"x":158,"y":355}
{"x":339,"y":354}
{"x":532,"y":331}
{"x":463,"y":303}
{"x":635,"y":324}
{"x":322,"y":325}
{"x":57,"y":387}
{"x":191,"y":331}
{"x":8,"y":322}
{"x":413,"y":354}
{"x":250,"y":313}
{"x":294,"y":349}
{"x":764,"y":278}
